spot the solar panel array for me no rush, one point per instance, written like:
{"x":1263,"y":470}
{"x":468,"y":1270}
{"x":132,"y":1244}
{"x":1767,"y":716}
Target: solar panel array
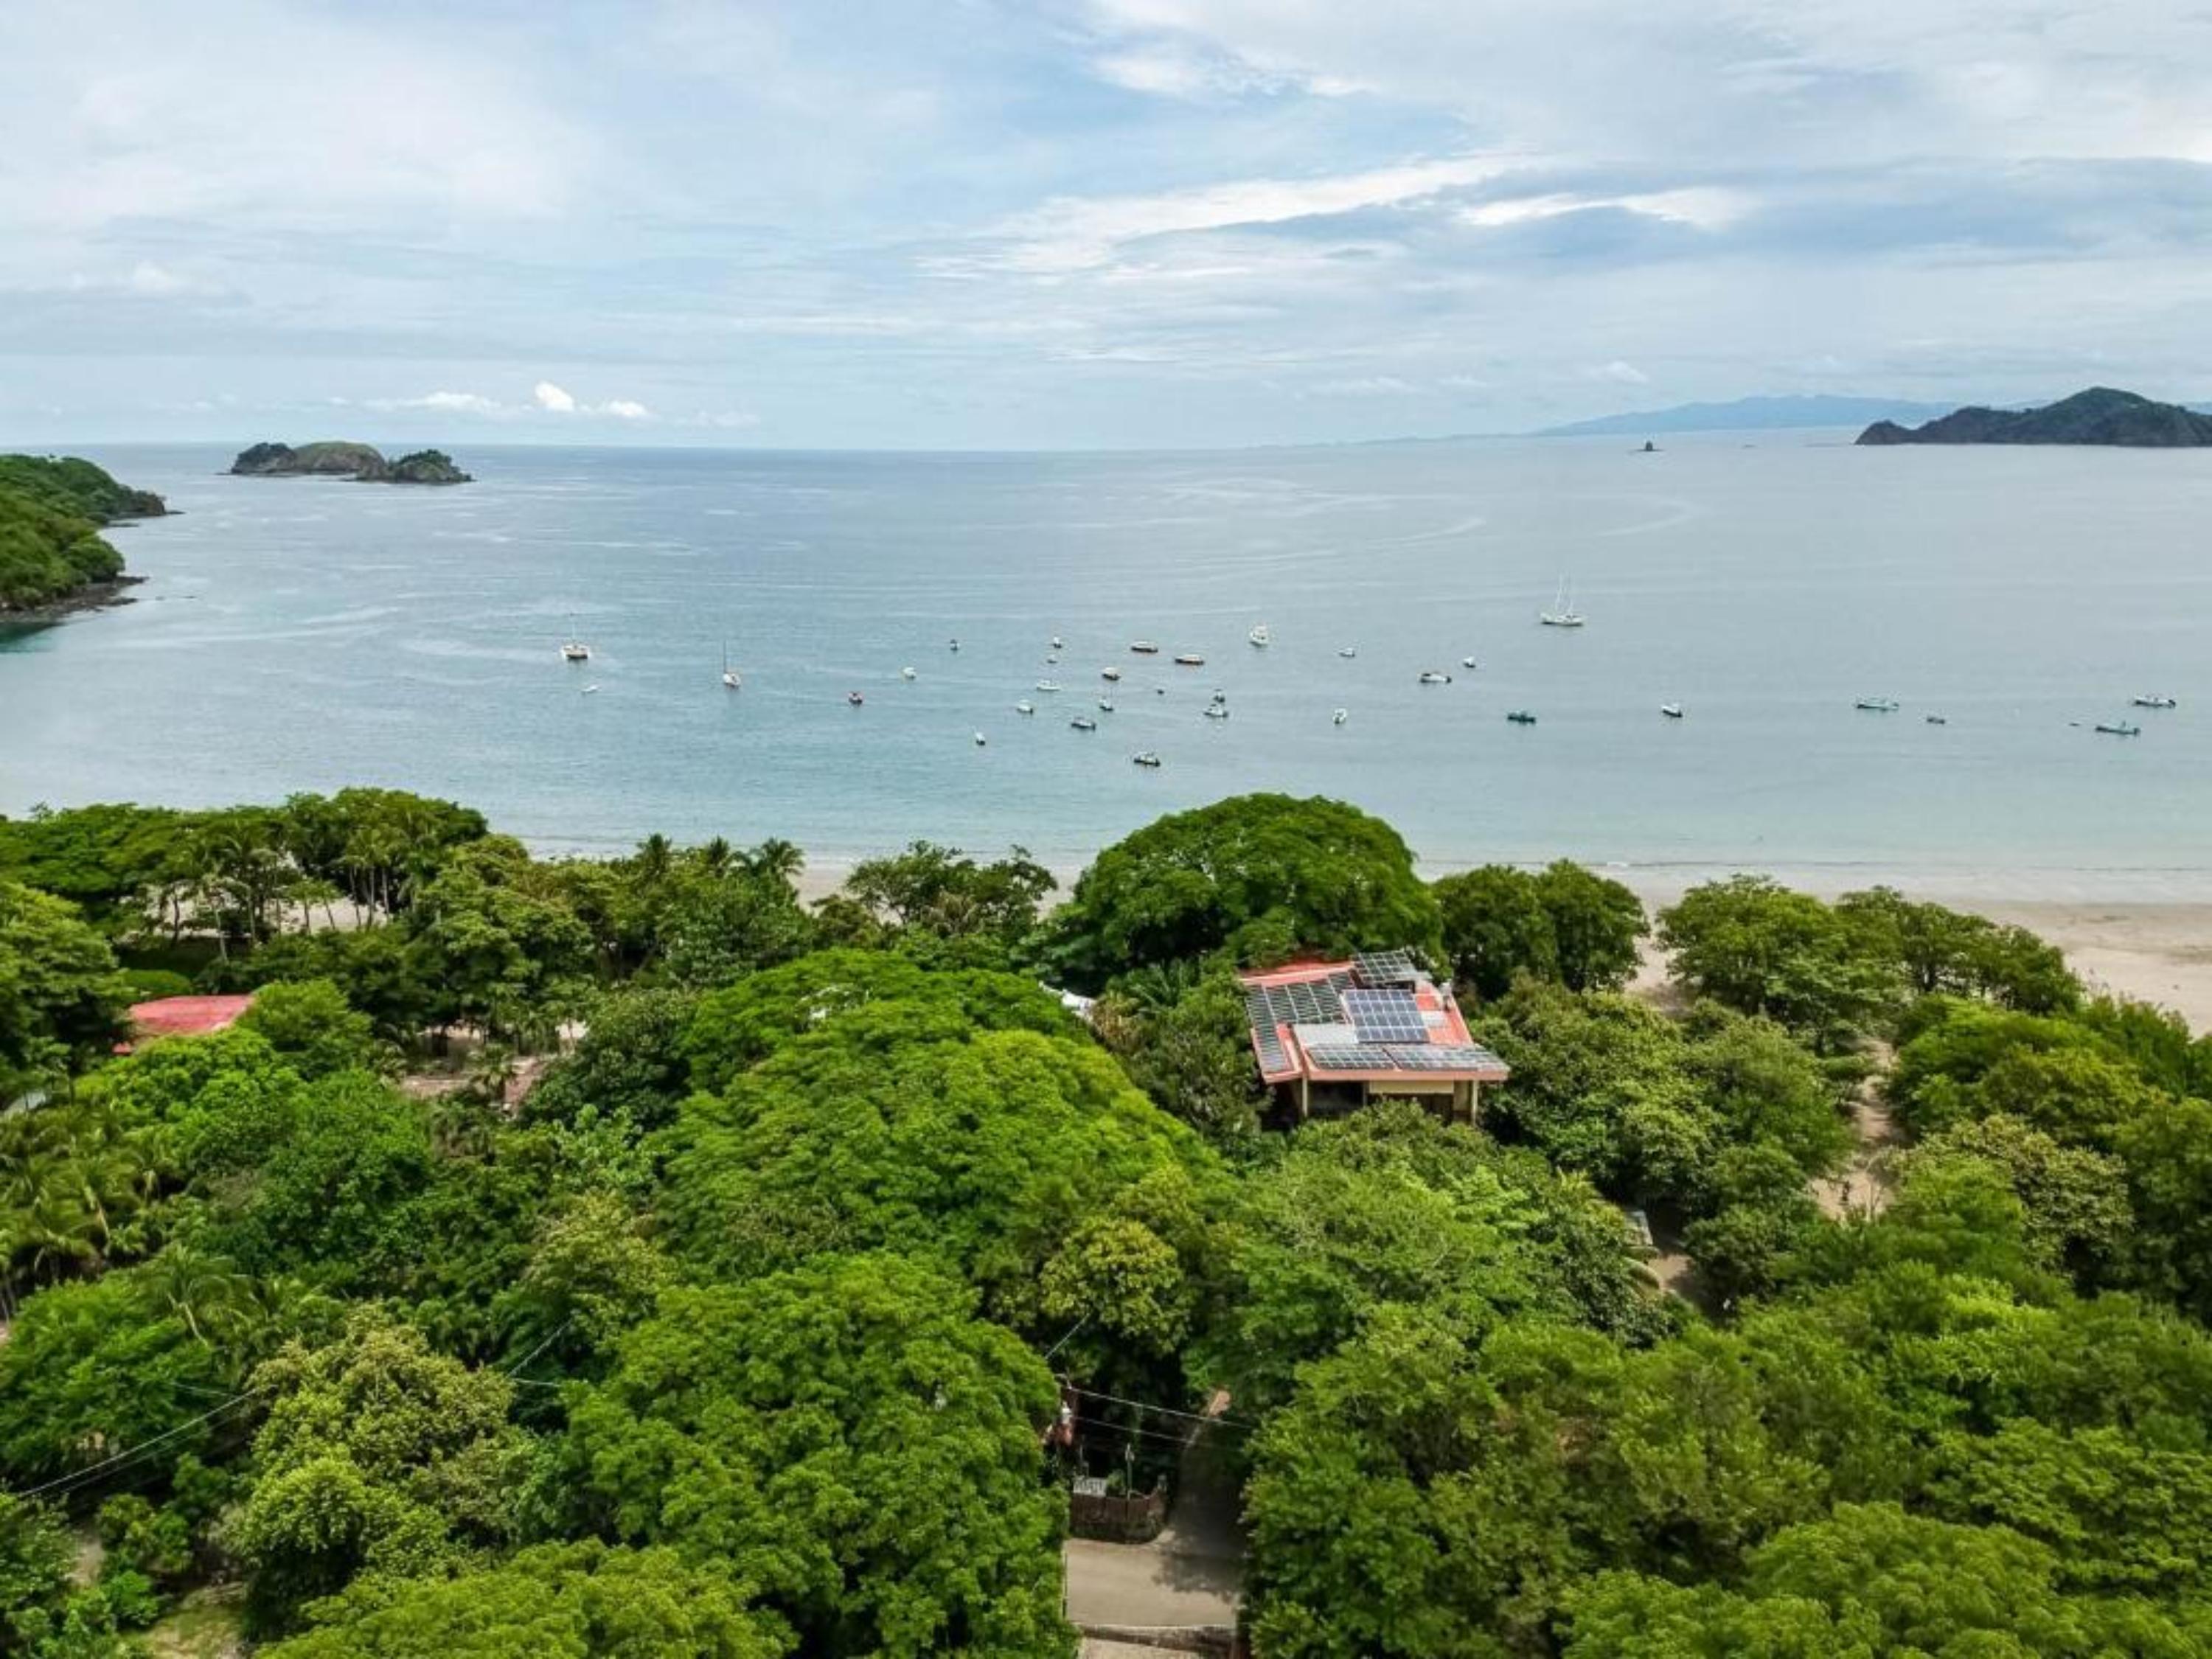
{"x":1382,"y":967}
{"x":1310,"y":1002}
{"x":1398,"y":1057}
{"x":1385,"y":1015}
{"x":1273,"y":1057}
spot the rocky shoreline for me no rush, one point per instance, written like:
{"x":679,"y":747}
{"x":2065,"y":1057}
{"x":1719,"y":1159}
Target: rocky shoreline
{"x":94,"y":596}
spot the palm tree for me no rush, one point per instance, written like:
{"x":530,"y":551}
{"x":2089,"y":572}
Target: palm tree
{"x":207,"y":1293}
{"x":716,"y":857}
{"x":777,"y":860}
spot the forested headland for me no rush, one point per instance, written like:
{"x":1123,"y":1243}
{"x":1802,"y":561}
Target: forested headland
{"x":51,"y":511}
{"x":624,"y":1257}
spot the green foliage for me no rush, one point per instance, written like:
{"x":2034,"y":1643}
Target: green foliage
{"x":309,"y":1024}
{"x":48,"y":553}
{"x":1562,"y":923}
{"x":587,"y":1599}
{"x":1874,"y":1580}
{"x":378,"y":1458}
{"x":1262,"y":876}
{"x":631,"y":1063}
{"x":901,"y":1124}
{"x":738,"y":1028}
{"x":1758,"y":947}
{"x":847,"y":1437}
{"x":35,"y":1564}
{"x":948,"y":910}
{"x":70,"y":484}
{"x":1192,"y":1054}
{"x":60,"y":998}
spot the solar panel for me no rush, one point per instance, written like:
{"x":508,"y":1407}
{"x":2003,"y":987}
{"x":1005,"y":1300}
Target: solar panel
{"x":1359,"y":1057}
{"x":1315,"y":1003}
{"x":1384,"y":968}
{"x":1385,"y":1015}
{"x":1273,"y":1056}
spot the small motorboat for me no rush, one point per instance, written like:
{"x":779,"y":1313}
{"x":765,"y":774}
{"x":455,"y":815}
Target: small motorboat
{"x":1338,"y":717}
{"x":1057,"y":644}
{"x":576,"y":651}
{"x":591,"y":690}
{"x":2119,"y":728}
{"x":1025,"y":706}
{"x":1144,"y":647}
{"x":1347,"y":651}
{"x":1219,"y":695}
{"x":1053,"y":658}
{"x":1937,"y":720}
{"x":1877,"y":705}
{"x":1083,"y":723}
{"x":855,"y":698}
{"x":1159,"y":690}
{"x":1148,"y":758}
{"x":906,"y":673}
{"x":1048,"y":685}
{"x":1260,"y":636}
{"x":1191,"y":659}
{"x":956,"y":645}
{"x":1217,"y":711}
{"x":1109,"y":673}
{"x":1106,"y":705}
{"x":1435,"y":676}
{"x":1521,"y":717}
{"x":2154,"y":700}
{"x":1672,"y":711}
{"x":980,"y":740}
{"x":1466,"y":662}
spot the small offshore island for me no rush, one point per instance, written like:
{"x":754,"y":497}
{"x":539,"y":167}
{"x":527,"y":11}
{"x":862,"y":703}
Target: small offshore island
{"x":363,"y":463}
{"x":53,"y":558}
{"x":2098,"y":415}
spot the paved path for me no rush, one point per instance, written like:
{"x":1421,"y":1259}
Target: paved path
{"x":1192,"y":1574}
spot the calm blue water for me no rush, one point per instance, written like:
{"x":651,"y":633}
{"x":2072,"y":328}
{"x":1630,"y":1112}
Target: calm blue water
{"x":303,"y":634}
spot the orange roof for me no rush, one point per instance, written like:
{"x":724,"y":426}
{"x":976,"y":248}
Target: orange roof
{"x":1289,"y":1006}
{"x":186,"y":1016}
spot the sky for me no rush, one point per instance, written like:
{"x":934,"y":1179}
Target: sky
{"x":1071,"y":223}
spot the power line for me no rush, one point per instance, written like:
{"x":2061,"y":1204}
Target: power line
{"x":1165,"y":1410}
{"x":79,"y":1477}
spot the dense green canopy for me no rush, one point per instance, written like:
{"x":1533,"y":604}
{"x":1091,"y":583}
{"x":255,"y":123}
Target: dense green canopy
{"x":1262,"y":876}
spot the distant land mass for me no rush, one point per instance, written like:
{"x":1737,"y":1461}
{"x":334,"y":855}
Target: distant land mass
{"x":2099,"y":416}
{"x":338,"y":459}
{"x":1747,"y":415}
{"x":52,"y":557}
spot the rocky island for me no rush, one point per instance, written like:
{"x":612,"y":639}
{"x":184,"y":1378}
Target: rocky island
{"x":364,"y":463}
{"x":2099,"y":416}
{"x":52,"y":557}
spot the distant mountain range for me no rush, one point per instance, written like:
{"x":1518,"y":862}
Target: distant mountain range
{"x":1749,"y":415}
{"x":2100,"y":415}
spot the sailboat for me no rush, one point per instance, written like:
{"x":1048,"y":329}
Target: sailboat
{"x":574,"y":649}
{"x":730,"y":677}
{"x":1563,"y":613}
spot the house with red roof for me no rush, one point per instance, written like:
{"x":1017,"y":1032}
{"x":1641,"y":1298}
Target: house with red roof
{"x":1331,"y":1036}
{"x":183,"y":1017}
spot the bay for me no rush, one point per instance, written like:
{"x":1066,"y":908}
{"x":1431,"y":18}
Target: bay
{"x":306,"y":634}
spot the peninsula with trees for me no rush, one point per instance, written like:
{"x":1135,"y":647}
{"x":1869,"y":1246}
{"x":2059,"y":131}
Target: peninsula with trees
{"x":333,"y":459}
{"x":52,"y":557}
{"x":2098,"y":415}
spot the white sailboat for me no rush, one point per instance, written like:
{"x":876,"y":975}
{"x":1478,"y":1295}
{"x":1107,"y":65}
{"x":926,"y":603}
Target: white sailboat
{"x":730,"y":677}
{"x":574,"y":649}
{"x":1563,"y":613}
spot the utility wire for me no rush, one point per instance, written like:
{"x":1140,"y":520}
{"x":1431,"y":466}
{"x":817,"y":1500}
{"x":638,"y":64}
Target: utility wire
{"x":78,"y":1477}
{"x":1165,"y":1410}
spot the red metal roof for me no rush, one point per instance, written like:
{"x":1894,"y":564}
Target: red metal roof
{"x":1282,"y":1058}
{"x":186,"y":1016}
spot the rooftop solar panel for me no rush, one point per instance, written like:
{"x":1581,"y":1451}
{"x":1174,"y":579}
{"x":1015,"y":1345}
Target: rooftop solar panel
{"x":1384,"y":968}
{"x":1359,"y":1057}
{"x":1385,"y":1015}
{"x":1403,"y":1057}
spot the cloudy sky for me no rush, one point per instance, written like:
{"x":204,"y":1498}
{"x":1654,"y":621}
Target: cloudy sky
{"x":977,"y":222}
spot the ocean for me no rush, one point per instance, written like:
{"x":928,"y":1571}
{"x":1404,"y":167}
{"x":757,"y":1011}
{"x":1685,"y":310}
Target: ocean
{"x":306,"y":634}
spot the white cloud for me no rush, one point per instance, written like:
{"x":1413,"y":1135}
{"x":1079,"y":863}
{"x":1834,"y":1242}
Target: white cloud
{"x":1618,"y":372}
{"x":1365,"y":385}
{"x":552,"y":398}
{"x":1072,"y":234}
{"x":625,"y":409}
{"x":459,"y":402}
{"x":147,"y":277}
